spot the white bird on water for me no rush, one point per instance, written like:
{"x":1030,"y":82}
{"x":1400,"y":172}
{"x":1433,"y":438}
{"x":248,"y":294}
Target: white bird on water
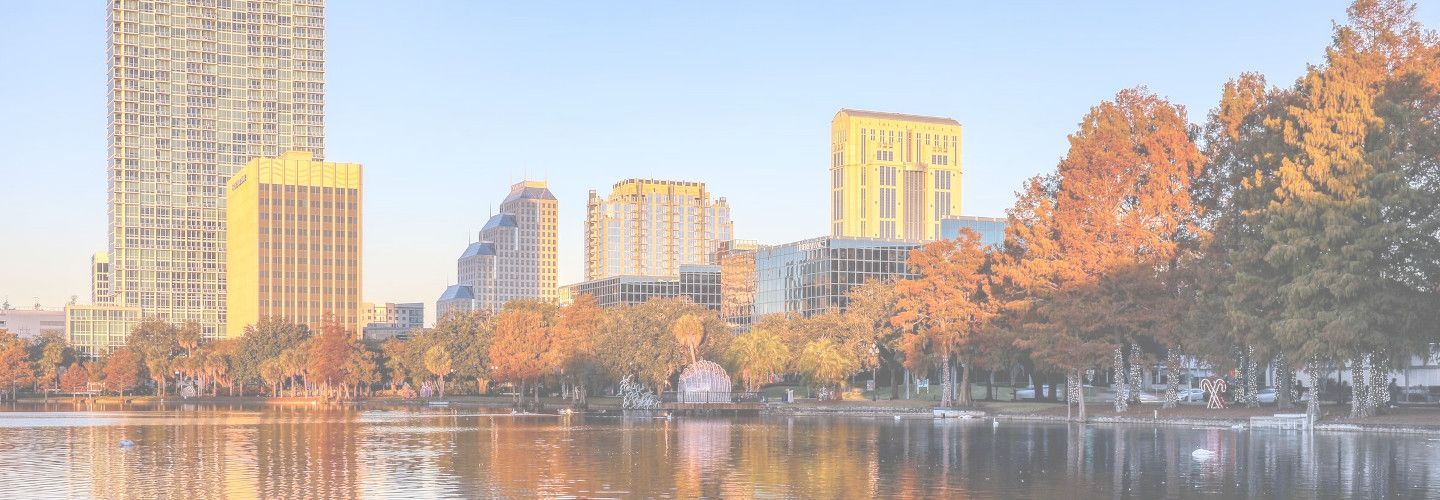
{"x":1202,"y":454}
{"x":126,"y":443}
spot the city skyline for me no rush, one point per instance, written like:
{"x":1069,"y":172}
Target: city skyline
{"x":791,"y":141}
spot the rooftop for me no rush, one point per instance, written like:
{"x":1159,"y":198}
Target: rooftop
{"x":897,"y":116}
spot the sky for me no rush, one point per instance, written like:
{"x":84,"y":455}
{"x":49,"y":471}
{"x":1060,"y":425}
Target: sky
{"x":447,"y":103}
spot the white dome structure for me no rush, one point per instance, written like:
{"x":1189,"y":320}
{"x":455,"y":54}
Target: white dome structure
{"x":704,"y":382}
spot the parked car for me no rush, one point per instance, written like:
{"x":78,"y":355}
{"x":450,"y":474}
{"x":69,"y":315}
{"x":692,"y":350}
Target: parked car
{"x":1266,"y":396}
{"x":1191,"y":394}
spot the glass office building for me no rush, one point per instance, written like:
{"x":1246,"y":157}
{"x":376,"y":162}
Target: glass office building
{"x":991,"y":229}
{"x":701,"y":284}
{"x":814,"y":275}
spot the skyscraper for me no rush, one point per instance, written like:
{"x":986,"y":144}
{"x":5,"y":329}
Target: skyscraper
{"x":197,"y":89}
{"x":294,"y":242}
{"x":893,"y":176}
{"x":515,"y":257}
{"x":652,"y":227}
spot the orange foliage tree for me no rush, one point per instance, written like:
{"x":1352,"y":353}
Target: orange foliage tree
{"x":521,"y":351}
{"x":329,"y":353}
{"x":946,"y":307}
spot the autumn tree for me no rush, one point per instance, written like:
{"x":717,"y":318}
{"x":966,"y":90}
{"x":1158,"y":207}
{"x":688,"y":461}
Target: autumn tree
{"x":15,"y":367}
{"x":519,"y":350}
{"x":947,"y":305}
{"x":187,"y":336}
{"x":577,"y":325}
{"x":870,"y":307}
{"x":122,"y":370}
{"x":75,"y":379}
{"x":438,"y":361}
{"x":329,"y":352}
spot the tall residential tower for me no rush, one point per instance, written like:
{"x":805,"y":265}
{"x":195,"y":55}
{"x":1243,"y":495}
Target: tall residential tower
{"x":893,"y":176}
{"x":197,"y":89}
{"x":652,"y":227}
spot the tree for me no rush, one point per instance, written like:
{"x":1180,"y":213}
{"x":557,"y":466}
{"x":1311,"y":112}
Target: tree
{"x":870,"y":308}
{"x":757,"y":355}
{"x":329,"y":352}
{"x":824,"y":364}
{"x":154,"y":341}
{"x":518,"y":353}
{"x":438,"y":361}
{"x":690,"y":332}
{"x":1353,"y":225}
{"x":261,"y":341}
{"x":75,"y":379}
{"x":947,"y":305}
{"x":188,"y":336}
{"x":274,"y":374}
{"x":122,"y":370}
{"x":15,"y":367}
{"x":638,"y":340}
{"x":53,"y":355}
{"x":577,"y":325}
{"x":362,"y":369}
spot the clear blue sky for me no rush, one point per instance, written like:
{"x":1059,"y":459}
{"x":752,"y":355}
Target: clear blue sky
{"x":447,"y":103}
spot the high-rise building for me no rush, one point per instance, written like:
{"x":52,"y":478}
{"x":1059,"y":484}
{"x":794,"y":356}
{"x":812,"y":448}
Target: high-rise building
{"x":197,"y":89}
{"x":893,"y":176}
{"x":516,"y":255}
{"x":990,"y":229}
{"x":699,"y":283}
{"x":100,"y":279}
{"x":652,"y":227}
{"x":813,"y":276}
{"x":294,"y":242}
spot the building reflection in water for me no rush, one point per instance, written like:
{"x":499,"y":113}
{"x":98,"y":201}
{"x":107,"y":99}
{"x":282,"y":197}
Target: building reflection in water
{"x":344,"y":452}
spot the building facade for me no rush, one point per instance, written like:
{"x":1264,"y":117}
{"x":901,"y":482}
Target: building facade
{"x":815,"y":275}
{"x":95,"y":330}
{"x":737,"y":283}
{"x":517,"y":254}
{"x":455,"y":299}
{"x":196,"y":90}
{"x":990,"y":229}
{"x":31,"y":323}
{"x":100,"y":279}
{"x":294,"y":242}
{"x":893,"y":176}
{"x":699,"y":283}
{"x":652,"y":227}
{"x":407,"y":315}
{"x":390,"y":320}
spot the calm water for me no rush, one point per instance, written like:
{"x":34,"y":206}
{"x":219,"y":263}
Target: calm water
{"x":244,"y":452}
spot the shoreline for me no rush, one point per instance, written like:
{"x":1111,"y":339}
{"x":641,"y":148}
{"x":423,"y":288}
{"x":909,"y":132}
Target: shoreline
{"x":1230,"y":419}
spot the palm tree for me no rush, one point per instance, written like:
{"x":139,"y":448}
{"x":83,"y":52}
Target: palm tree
{"x":757,"y":355}
{"x":690,"y":331}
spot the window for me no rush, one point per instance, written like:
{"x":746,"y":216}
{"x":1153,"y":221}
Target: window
{"x":885,"y":155}
{"x":939,"y":160}
{"x":887,"y":176}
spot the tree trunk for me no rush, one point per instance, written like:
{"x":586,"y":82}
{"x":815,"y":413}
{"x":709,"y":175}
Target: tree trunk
{"x":990,"y":387}
{"x":965,"y":399}
{"x":1080,"y":389}
{"x":945,"y":383}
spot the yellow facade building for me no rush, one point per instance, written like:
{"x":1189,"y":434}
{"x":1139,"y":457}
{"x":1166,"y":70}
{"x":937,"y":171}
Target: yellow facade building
{"x":649,"y":227}
{"x":293,"y":242}
{"x":893,"y":176}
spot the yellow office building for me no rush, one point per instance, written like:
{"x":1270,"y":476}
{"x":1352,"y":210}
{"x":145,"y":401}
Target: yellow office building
{"x":293,"y":242}
{"x":893,"y":176}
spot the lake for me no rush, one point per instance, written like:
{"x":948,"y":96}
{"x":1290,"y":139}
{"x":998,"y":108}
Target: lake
{"x":196,"y":451}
